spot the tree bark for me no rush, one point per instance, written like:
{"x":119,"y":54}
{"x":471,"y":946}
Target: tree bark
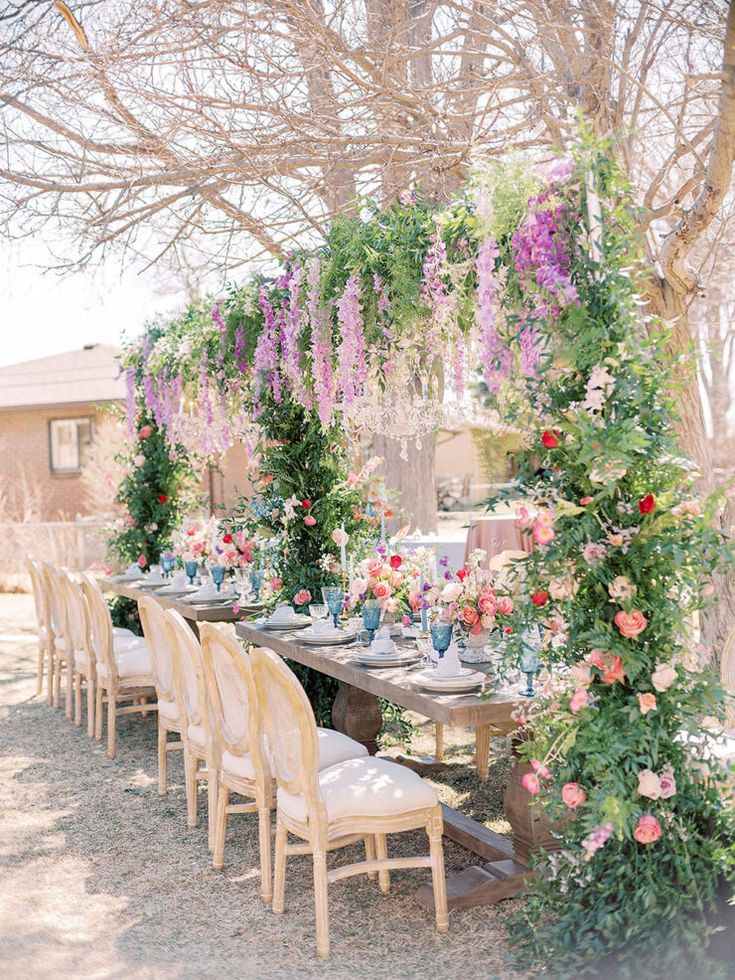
{"x":414,"y":480}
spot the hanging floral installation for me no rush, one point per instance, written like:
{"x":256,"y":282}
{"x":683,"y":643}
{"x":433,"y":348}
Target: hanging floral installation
{"x":526,"y":283}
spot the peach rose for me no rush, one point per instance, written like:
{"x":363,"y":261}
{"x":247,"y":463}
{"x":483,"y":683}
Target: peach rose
{"x":597,"y":659}
{"x":614,"y":672}
{"x":382,"y":590}
{"x":647,"y":702}
{"x":374,"y":566}
{"x":649,"y":785}
{"x":302,"y":597}
{"x":648,"y":829}
{"x":488,"y":621}
{"x":581,"y":675}
{"x":469,"y":615}
{"x":630,"y":624}
{"x":663,"y":677}
{"x":573,"y":795}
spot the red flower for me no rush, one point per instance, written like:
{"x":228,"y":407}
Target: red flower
{"x":227,"y":539}
{"x":540,"y":598}
{"x":145,"y":432}
{"x":396,"y":561}
{"x":462,"y":574}
{"x":162,"y":498}
{"x":142,"y":561}
{"x":549,"y":440}
{"x":306,"y":504}
{"x":647,"y":504}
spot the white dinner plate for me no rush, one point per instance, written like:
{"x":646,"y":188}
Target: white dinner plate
{"x":467,"y":680}
{"x":146,"y":584}
{"x":298,"y":623}
{"x":219,"y":600}
{"x":366,"y":659}
{"x":327,"y":639}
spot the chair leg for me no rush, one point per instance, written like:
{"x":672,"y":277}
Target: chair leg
{"x":212,"y":788}
{"x":49,"y":676}
{"x":438,"y":879}
{"x":279,"y":870}
{"x":381,"y":852}
{"x":264,"y":834}
{"x":90,"y":707}
{"x":41,"y":663}
{"x":69,"y":691}
{"x":162,"y":761}
{"x":98,"y":712}
{"x":57,"y":682}
{"x":439,"y":742}
{"x":223,"y":800}
{"x":77,"y":699}
{"x":321,"y":903}
{"x":111,"y":719}
{"x":190,"y":776}
{"x":370,"y":854}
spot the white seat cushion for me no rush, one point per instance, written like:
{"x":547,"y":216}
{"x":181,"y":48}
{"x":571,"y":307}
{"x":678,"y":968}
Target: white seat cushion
{"x":334,"y":747}
{"x":168,"y":710}
{"x":121,"y":631}
{"x":132,"y":660}
{"x":364,"y":787}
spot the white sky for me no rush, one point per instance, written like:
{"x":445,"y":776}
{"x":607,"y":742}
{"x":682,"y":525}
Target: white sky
{"x":43,"y":313}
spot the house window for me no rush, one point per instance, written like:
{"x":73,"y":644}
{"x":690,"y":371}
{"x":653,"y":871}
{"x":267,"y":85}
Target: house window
{"x":69,"y":441}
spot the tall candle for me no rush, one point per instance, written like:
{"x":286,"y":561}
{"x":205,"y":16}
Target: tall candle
{"x":424,"y":623}
{"x":382,"y":525}
{"x":343,"y":549}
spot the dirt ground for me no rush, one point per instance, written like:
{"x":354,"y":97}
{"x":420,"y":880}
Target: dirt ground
{"x":100,"y":877}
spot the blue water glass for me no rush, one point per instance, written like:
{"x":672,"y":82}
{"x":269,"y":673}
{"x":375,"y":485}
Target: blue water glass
{"x":167,"y":564}
{"x":191,"y":568}
{"x":218,"y":575}
{"x":256,"y":583}
{"x":441,"y":637}
{"x":529,"y":664}
{"x":334,"y":598}
{"x":371,"y":619}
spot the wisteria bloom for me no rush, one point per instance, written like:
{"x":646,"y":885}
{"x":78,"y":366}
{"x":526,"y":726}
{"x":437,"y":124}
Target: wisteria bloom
{"x":352,"y":361}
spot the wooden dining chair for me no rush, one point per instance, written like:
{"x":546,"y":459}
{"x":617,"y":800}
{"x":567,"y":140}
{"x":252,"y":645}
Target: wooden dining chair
{"x":81,"y":664}
{"x":360,"y":799}
{"x":40,"y":599}
{"x":124,"y":675}
{"x":195,"y":725}
{"x":158,"y":638}
{"x":53,"y":576}
{"x":237,"y":743}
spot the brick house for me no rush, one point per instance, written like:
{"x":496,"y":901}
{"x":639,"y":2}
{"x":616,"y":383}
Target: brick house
{"x":49,"y":413}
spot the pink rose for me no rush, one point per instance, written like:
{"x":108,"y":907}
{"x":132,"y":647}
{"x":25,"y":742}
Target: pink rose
{"x":614,"y":672}
{"x":542,"y":771}
{"x":530,"y":782}
{"x":667,"y":781}
{"x":145,"y":432}
{"x":646,"y":703}
{"x":142,"y":560}
{"x":578,"y":700}
{"x":302,"y":597}
{"x":309,"y":520}
{"x":630,"y":624}
{"x":276,"y":583}
{"x":469,"y":615}
{"x":649,"y":784}
{"x":396,"y":579}
{"x":486,"y":603}
{"x":414,"y":601}
{"x":374,"y":567}
{"x":597,"y":659}
{"x":648,"y":829}
{"x":663,"y":677}
{"x":505,"y":605}
{"x":573,"y":795}
{"x":382,"y":590}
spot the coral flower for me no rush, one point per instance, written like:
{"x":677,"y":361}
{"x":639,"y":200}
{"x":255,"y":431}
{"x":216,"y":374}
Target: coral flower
{"x":309,"y":520}
{"x":530,"y":782}
{"x":648,"y":829}
{"x":573,"y":795}
{"x":646,"y":703}
{"x":145,"y":432}
{"x":630,"y":624}
{"x":614,"y":672}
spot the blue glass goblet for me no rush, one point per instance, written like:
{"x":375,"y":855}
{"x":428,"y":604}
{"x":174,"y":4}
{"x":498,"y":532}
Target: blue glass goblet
{"x":441,"y":637}
{"x":529,"y":664}
{"x":334,"y":598}
{"x":218,"y":575}
{"x":167,"y":563}
{"x":256,"y":583}
{"x":191,"y":568}
{"x":371,"y":619}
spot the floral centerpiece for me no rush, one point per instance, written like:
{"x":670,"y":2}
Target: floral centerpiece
{"x":194,"y":541}
{"x":389,"y":579}
{"x":469,"y":600}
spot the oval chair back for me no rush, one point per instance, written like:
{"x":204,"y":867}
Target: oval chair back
{"x":100,"y":628}
{"x":190,"y":685}
{"x":288,"y":720}
{"x":77,"y":617}
{"x":158,"y":640}
{"x":56,"y":607}
{"x":40,"y":590}
{"x":233,"y":698}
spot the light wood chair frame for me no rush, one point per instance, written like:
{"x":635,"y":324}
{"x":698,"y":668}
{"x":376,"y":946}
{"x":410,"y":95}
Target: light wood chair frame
{"x":185,"y":644}
{"x":155,"y":630}
{"x":318,"y":834}
{"x":78,"y":640}
{"x":112,"y":690}
{"x":58,"y":633}
{"x":40,"y":598}
{"x":260,"y":790}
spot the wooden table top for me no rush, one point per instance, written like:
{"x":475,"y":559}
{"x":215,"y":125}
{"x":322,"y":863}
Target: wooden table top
{"x":392,"y":683}
{"x":198,"y":614}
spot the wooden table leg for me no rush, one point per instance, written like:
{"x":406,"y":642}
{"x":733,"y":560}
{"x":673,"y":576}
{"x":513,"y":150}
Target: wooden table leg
{"x":357,"y":713}
{"x":439,"y":741}
{"x":482,"y":751}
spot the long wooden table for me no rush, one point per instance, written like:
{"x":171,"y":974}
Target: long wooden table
{"x":218,"y":613}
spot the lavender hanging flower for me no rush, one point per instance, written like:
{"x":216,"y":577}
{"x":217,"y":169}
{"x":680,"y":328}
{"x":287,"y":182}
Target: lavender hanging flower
{"x":351,"y":359}
{"x":321,"y":348}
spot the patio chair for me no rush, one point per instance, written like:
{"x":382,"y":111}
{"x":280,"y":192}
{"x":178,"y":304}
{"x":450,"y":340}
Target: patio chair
{"x":361,"y":799}
{"x":81,"y":664}
{"x":123,"y":665}
{"x":58,"y":642}
{"x":158,"y":638}
{"x":40,"y":599}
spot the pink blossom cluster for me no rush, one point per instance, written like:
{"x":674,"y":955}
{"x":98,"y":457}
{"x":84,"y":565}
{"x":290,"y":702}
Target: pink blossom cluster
{"x":321,"y":348}
{"x":495,"y":355}
{"x":352,"y":363}
{"x":266,"y":358}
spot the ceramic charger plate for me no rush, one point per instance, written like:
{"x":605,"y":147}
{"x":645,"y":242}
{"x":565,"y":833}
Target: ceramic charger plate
{"x":151,"y":584}
{"x":297,"y":623}
{"x":367,"y":659}
{"x":332,"y":639}
{"x":466,"y":680}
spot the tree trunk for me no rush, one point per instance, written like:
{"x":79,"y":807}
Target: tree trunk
{"x":414,"y":479}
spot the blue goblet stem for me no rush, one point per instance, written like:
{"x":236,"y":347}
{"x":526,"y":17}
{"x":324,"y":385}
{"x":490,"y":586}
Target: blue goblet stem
{"x":218,"y":576}
{"x":190,"y":567}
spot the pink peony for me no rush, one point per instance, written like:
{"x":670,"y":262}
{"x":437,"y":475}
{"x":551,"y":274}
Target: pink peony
{"x":488,"y":621}
{"x":573,"y":795}
{"x":486,"y":603}
{"x":646,"y":703}
{"x":309,"y":520}
{"x":391,"y":604}
{"x":648,"y":829}
{"x":630,"y":624}
{"x":578,"y":700}
{"x":649,"y":784}
{"x":530,"y":782}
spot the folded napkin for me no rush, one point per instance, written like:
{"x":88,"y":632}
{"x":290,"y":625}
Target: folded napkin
{"x":282,"y":614}
{"x":324,"y":627}
{"x":382,"y":642}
